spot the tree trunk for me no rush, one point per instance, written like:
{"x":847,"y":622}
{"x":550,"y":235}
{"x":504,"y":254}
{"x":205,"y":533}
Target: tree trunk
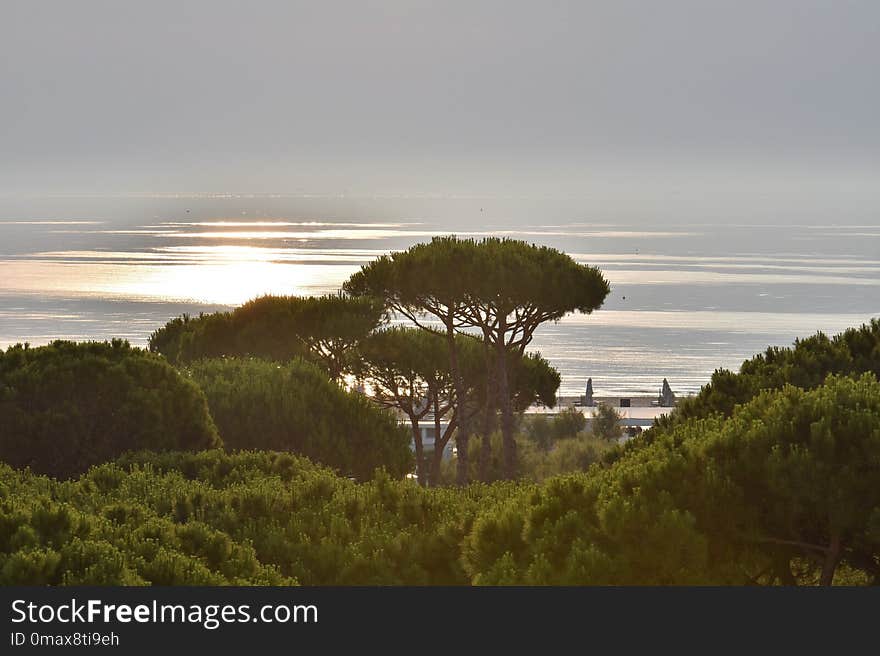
{"x":783,"y":571}
{"x":507,"y":440}
{"x":832,"y":558}
{"x":463,"y":436}
{"x":488,"y":416}
{"x":420,"y":450}
{"x":437,"y":462}
{"x":437,"y":456}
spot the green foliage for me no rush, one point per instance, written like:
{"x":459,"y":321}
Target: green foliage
{"x":505,"y":288}
{"x":463,"y":277}
{"x":67,"y":406}
{"x":769,"y":476}
{"x":803,"y":468}
{"x":294,"y":407}
{"x":428,"y":279}
{"x":215,"y":518}
{"x":324,"y":329}
{"x":545,"y":431}
{"x":432,"y":278}
{"x":606,"y":423}
{"x":86,"y":533}
{"x":535,"y":381}
{"x":566,"y":453}
{"x":186,"y":338}
{"x":406,"y":367}
{"x":805,"y":365}
{"x":568,"y":423}
{"x":516,"y":288}
{"x":408,"y":370}
{"x":787,"y":490}
{"x":543,"y":283}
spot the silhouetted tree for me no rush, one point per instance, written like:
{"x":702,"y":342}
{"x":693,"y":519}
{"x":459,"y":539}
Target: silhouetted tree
{"x":504,"y":288}
{"x":325,"y":329}
{"x":408,"y":370}
{"x":515,"y":288}
{"x":428,"y":279}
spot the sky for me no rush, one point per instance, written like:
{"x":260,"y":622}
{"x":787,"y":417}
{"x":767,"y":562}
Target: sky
{"x":417,"y":96}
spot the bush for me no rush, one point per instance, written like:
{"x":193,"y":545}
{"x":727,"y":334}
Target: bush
{"x":606,"y":423}
{"x":785,"y":491}
{"x":564,"y":455}
{"x":567,"y":455}
{"x":544,"y":431}
{"x":74,"y":534}
{"x":67,"y":406}
{"x":805,"y":365}
{"x":213,"y":518}
{"x":294,"y":407}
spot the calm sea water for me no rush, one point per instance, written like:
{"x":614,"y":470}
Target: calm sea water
{"x":688,"y":294}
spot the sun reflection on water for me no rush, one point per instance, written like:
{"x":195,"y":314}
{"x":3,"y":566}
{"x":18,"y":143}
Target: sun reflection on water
{"x":229,"y":282}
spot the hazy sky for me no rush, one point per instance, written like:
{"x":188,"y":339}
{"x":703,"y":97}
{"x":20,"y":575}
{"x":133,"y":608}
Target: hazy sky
{"x":417,"y":95}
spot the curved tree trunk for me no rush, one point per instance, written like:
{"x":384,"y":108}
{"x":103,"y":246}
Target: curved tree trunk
{"x":507,"y":440}
{"x":832,"y":559}
{"x":782,"y":568}
{"x":437,"y":462}
{"x":439,"y":445}
{"x":488,"y":416}
{"x":420,"y":450}
{"x":463,"y":435}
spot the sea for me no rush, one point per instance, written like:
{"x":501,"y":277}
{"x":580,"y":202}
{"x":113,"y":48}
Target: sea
{"x":689,"y":294}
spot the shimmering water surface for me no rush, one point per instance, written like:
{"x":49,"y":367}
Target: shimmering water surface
{"x":688,"y":295}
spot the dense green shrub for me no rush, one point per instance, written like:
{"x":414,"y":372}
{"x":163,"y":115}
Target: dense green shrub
{"x":787,"y":490}
{"x":214,"y":518}
{"x":81,"y":533}
{"x":566,"y":455}
{"x":543,"y":431}
{"x":805,"y":365}
{"x":563,"y":455}
{"x":294,"y":407}
{"x":67,"y":406}
{"x":188,"y":338}
{"x":606,"y":423}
